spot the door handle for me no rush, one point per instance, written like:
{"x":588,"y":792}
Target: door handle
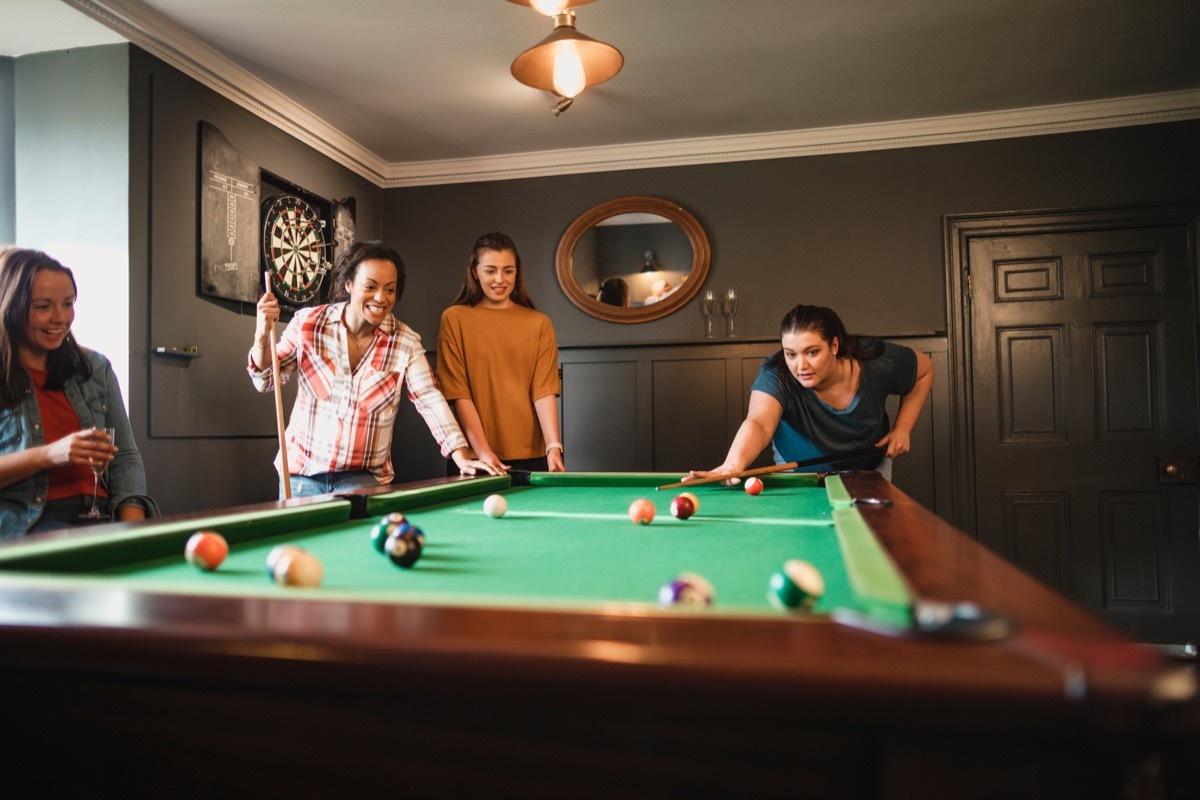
{"x":1179,"y":469}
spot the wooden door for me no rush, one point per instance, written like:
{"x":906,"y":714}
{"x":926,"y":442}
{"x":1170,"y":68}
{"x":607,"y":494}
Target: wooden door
{"x":1083,"y":373}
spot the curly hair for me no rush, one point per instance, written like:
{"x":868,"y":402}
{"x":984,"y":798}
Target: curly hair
{"x":345,"y":268}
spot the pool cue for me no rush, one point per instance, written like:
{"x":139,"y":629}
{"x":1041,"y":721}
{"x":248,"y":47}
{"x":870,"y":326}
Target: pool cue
{"x":279,"y":428}
{"x":746,"y":473}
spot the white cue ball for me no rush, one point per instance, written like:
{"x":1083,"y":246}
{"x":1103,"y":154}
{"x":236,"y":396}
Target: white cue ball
{"x":495,"y":506}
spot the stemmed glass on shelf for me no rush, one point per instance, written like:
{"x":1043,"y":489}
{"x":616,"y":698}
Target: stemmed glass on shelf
{"x":708,"y":308}
{"x":97,"y":471}
{"x":729,"y":306}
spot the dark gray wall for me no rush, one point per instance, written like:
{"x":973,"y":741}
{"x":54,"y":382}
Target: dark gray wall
{"x":860,"y":232}
{"x":8,"y":164}
{"x":205,"y":467}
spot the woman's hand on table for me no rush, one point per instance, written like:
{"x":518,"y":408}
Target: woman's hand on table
{"x":477,"y":466}
{"x":696,"y":474}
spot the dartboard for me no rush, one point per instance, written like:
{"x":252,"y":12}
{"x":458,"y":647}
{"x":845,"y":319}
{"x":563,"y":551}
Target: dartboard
{"x":294,"y":248}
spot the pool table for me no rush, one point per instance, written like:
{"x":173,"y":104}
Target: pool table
{"x":528,"y":655}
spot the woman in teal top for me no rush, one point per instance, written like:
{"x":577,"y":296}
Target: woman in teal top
{"x":824,"y":394}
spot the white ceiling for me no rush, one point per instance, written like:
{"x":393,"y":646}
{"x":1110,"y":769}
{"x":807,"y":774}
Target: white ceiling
{"x":419,"y":91}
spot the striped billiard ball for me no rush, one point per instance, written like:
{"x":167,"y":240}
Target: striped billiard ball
{"x":206,"y":550}
{"x":796,"y":586}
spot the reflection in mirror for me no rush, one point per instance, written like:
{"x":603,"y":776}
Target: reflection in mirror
{"x":649,"y":254}
{"x":633,"y":259}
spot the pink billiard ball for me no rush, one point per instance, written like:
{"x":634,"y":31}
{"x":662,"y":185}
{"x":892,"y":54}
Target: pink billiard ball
{"x":206,"y":550}
{"x":641,"y":511}
{"x":682,"y":507}
{"x":754,"y":486}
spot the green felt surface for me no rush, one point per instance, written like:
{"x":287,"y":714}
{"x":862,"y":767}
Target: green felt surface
{"x":565,"y":542}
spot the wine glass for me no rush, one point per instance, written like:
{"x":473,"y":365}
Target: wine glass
{"x":97,"y":471}
{"x":708,"y":307}
{"x":729,"y":306}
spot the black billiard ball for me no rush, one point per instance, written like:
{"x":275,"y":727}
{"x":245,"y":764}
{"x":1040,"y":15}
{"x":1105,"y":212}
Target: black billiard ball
{"x":403,"y":548}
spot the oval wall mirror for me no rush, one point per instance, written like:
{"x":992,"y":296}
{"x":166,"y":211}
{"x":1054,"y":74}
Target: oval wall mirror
{"x":633,"y":259}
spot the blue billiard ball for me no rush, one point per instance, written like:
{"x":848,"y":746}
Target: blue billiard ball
{"x":384,"y":528}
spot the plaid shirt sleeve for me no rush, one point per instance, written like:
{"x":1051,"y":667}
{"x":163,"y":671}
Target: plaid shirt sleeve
{"x":425,"y":395}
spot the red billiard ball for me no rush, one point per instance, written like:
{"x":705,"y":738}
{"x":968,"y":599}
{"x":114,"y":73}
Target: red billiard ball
{"x":641,"y":511}
{"x":754,"y":486}
{"x":682,"y":507}
{"x":695,"y":501}
{"x":206,"y":550}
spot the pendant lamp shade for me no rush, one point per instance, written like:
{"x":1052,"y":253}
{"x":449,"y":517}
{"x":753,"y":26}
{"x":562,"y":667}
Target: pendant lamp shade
{"x":567,"y":61}
{"x":551,"y":7}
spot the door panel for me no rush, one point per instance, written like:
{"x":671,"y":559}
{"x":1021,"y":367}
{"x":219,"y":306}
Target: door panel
{"x":1078,"y":391}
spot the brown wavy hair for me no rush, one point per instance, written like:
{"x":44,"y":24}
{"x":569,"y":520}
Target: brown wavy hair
{"x":18,"y":266}
{"x":471,"y":292}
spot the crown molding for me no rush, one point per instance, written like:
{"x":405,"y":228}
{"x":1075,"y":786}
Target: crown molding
{"x":158,"y":35}
{"x":161,"y":37}
{"x":1111,"y":113}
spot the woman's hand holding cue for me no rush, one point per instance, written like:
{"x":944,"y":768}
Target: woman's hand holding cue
{"x":724,"y":469}
{"x":267,"y":316}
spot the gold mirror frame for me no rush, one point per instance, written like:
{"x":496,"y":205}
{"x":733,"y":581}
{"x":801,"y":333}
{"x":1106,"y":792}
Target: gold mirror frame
{"x":691,"y":227}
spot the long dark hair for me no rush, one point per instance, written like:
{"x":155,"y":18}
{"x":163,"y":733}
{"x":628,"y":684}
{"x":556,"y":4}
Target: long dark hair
{"x":18,"y":267}
{"x":346,"y":267}
{"x":471,"y":292}
{"x":829,"y":326}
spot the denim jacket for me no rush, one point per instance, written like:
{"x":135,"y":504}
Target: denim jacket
{"x":97,"y":401}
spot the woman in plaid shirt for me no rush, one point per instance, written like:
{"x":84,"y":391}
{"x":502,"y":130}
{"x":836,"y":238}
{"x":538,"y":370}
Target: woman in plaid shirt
{"x":353,"y":359}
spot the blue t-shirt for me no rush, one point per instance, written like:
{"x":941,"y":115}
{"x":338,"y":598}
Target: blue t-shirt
{"x":809,"y":428}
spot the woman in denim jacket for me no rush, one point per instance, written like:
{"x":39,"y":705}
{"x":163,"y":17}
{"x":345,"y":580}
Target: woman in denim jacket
{"x":56,"y":399}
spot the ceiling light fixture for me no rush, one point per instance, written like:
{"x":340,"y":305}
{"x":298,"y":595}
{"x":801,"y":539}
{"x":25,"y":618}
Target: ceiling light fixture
{"x":551,"y":7}
{"x":566,"y":62}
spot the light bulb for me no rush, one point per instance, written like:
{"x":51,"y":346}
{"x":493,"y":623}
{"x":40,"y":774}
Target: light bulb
{"x":569,"y":79}
{"x":549,"y":7}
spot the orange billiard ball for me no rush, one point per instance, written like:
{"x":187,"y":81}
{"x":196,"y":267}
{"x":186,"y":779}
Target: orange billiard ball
{"x":206,"y":550}
{"x":641,"y":511}
{"x":299,"y":568}
{"x":754,"y":486}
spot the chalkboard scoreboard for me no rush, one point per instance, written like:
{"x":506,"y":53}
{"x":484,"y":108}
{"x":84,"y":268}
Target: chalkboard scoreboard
{"x":251,"y":221}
